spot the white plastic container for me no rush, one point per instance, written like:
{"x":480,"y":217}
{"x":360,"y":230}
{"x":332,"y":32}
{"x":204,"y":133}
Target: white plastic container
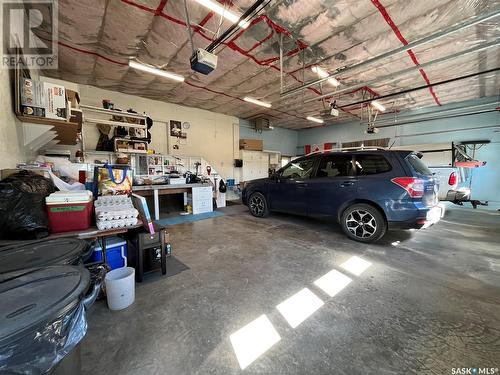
{"x":120,"y":288}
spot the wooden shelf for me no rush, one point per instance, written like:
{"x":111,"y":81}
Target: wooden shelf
{"x":129,"y":151}
{"x":112,"y":112}
{"x":65,"y":131}
{"x":41,"y":120}
{"x":115,"y":123}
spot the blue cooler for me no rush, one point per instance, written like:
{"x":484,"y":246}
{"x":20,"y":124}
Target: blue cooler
{"x":116,"y":253}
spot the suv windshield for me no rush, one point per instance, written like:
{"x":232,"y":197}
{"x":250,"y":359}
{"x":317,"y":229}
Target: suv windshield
{"x":418,"y":165}
{"x":298,"y":169}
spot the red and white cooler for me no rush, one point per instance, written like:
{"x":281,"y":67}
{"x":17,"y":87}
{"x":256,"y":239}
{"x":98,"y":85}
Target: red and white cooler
{"x":69,"y":210}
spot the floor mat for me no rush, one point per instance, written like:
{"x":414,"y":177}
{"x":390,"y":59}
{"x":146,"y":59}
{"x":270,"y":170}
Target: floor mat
{"x":174,"y":267}
{"x":188,"y":218}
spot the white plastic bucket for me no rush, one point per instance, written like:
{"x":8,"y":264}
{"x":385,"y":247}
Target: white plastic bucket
{"x":120,"y":288}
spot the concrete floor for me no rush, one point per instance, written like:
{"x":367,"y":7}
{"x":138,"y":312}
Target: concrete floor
{"x":428,"y":303}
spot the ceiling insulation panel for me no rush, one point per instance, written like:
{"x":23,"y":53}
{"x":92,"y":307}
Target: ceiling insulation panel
{"x":97,"y":38}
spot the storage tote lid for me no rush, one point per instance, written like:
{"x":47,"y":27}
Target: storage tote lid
{"x":33,"y":298}
{"x":41,"y":253}
{"x":69,"y":197}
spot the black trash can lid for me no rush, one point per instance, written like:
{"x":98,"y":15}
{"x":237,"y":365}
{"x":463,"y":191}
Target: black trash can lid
{"x":41,"y":253}
{"x":33,"y":298}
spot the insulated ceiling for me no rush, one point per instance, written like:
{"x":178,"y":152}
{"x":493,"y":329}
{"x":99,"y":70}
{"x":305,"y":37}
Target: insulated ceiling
{"x":97,"y":38}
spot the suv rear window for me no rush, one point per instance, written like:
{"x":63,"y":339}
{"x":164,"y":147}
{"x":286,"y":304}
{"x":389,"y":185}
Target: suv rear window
{"x":418,"y":165}
{"x":371,"y":164}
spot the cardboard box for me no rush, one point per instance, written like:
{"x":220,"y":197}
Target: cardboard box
{"x":55,"y":102}
{"x":77,"y":116}
{"x":43,"y":99}
{"x":73,"y":98}
{"x":32,"y":98}
{"x":251,"y":144}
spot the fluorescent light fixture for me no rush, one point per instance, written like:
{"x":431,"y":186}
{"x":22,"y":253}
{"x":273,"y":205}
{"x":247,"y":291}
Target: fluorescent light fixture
{"x":377,"y":105}
{"x":314,"y":119}
{"x":299,"y":307}
{"x":355,"y":265}
{"x":221,"y":11}
{"x":323,"y":74}
{"x":253,"y":340}
{"x":258,"y":102}
{"x":333,"y":282}
{"x":153,"y":70}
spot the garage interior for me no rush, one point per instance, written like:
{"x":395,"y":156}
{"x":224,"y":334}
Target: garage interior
{"x":137,"y":147}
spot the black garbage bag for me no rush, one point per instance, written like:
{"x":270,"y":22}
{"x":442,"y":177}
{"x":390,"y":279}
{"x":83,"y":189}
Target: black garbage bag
{"x":22,"y":206}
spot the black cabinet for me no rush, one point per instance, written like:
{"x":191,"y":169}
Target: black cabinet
{"x":147,"y":252}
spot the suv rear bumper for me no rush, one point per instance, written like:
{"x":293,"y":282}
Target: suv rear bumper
{"x":424,"y":220}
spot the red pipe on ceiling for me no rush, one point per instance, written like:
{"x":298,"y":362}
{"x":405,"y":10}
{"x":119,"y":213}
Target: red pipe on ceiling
{"x":402,"y":39}
{"x":231,"y":44}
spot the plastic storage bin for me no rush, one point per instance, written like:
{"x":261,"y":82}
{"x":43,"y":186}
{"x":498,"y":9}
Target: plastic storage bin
{"x":70,"y":251}
{"x":42,"y":319}
{"x":116,"y":253}
{"x":69,"y":210}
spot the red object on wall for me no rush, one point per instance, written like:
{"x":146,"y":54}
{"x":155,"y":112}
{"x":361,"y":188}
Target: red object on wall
{"x":307,"y":149}
{"x":328,"y":146}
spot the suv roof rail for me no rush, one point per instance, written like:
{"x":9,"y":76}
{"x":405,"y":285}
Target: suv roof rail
{"x":360,"y":148}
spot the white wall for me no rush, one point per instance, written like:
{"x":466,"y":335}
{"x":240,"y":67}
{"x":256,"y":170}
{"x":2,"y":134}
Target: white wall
{"x":212,"y":136}
{"x":11,"y":140}
{"x":278,"y":139}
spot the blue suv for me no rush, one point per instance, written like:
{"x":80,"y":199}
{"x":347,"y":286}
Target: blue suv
{"x":367,"y":190}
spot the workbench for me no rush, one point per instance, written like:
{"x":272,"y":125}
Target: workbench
{"x":202,"y":196}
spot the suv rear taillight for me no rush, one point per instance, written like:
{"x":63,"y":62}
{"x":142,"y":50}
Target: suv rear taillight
{"x":453,"y":179}
{"x":414,"y":186}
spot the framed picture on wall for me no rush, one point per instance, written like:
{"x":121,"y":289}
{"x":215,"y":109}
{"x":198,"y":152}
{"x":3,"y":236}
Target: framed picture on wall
{"x":175,"y":128}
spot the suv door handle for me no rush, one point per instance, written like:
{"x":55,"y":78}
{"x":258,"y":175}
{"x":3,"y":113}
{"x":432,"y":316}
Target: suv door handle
{"x":302,"y":186}
{"x":346,"y":183}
